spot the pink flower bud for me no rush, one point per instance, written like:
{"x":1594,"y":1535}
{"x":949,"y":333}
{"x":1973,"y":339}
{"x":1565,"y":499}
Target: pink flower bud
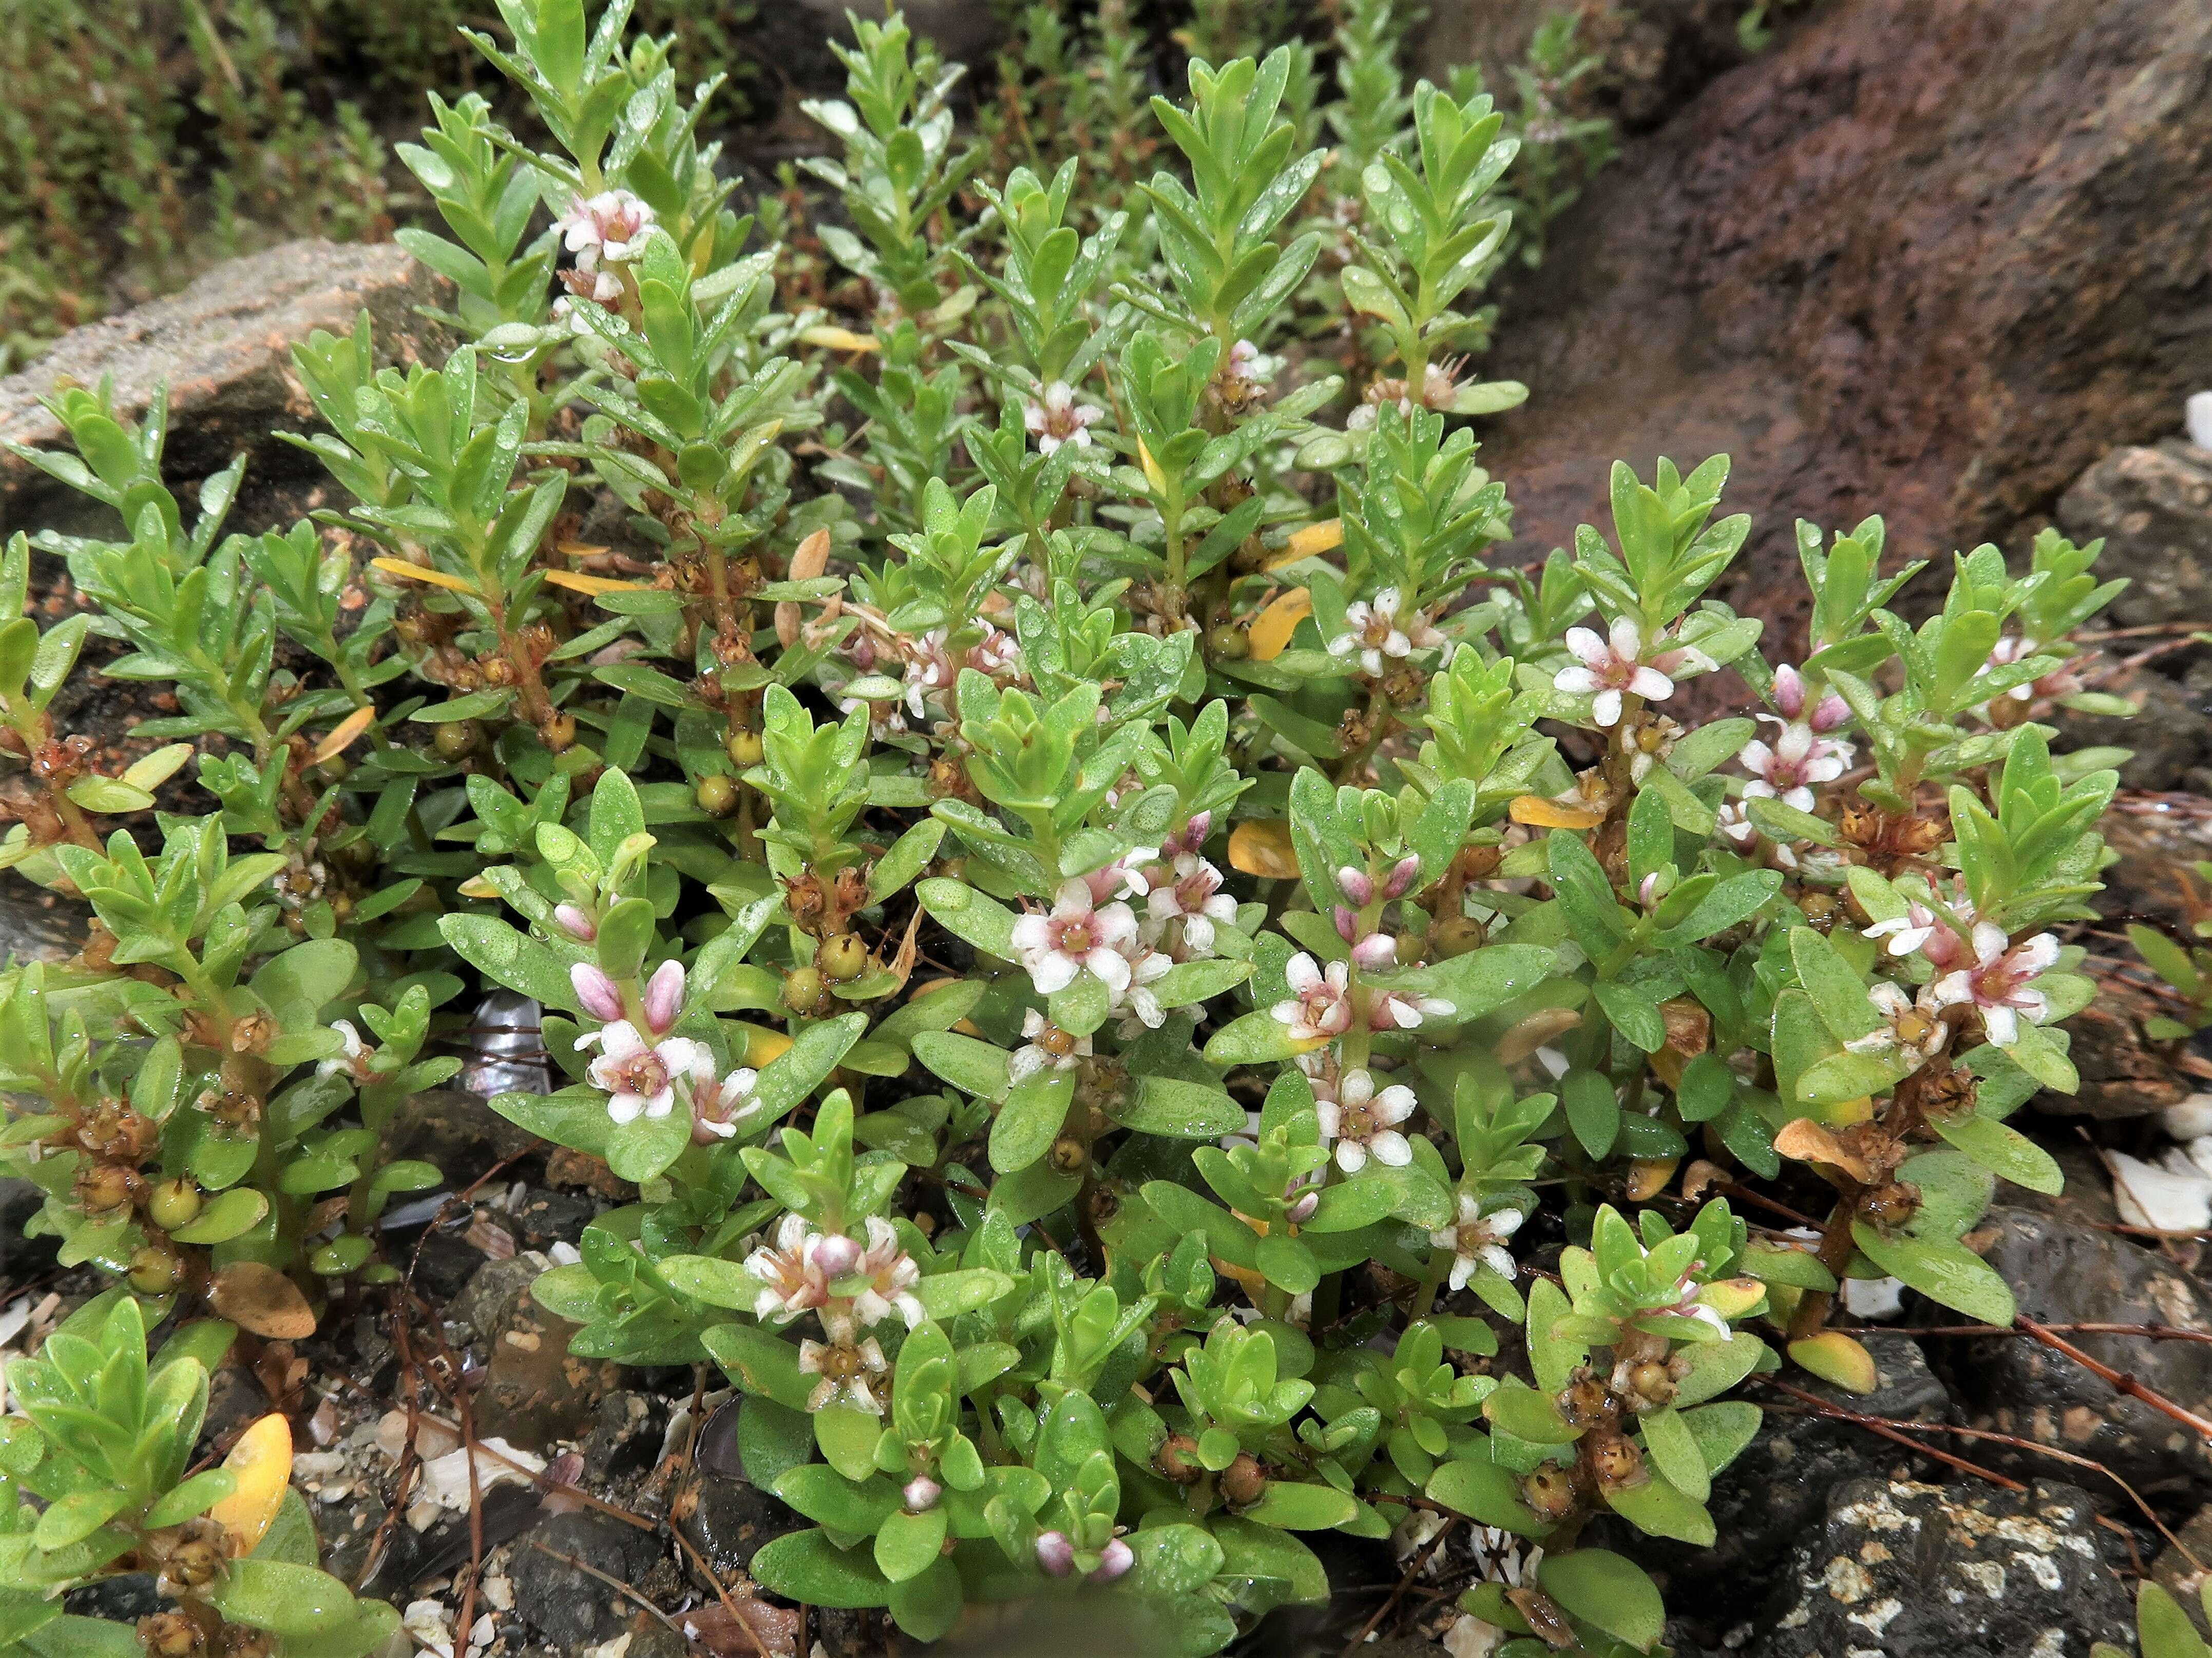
{"x":1355,"y":885}
{"x":1376,"y":952}
{"x":1788,"y":691}
{"x":1403,"y":874}
{"x":596,"y":991}
{"x":573,"y":921}
{"x":1302,"y":1210}
{"x":1347,"y":923}
{"x":1648,"y":889}
{"x":1831,"y":713}
{"x":1056,"y":1553}
{"x":1114,"y":1559}
{"x":664,"y":996}
{"x":921,"y":1494}
{"x":1195,"y":831}
{"x":836,"y":1254}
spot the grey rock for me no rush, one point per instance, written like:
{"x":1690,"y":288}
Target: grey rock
{"x":493,"y":1292}
{"x":2153,"y":506}
{"x":2179,"y":1575}
{"x":22,"y":1258}
{"x":564,"y":1606}
{"x":545,"y":1218}
{"x":1765,"y":1501}
{"x":729,"y":1519}
{"x":224,"y":346}
{"x":1904,"y":1570}
{"x":2063,"y":1272}
{"x":458,"y":1132}
{"x":2169,"y":736}
{"x":37,"y":926}
{"x":534,"y":1390}
{"x":625,"y":1437}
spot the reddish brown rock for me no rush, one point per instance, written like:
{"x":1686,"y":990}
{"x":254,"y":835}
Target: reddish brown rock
{"x":1921,"y":260}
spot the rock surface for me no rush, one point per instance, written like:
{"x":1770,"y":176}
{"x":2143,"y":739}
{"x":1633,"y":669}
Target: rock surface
{"x":563,"y":1606}
{"x":1903,"y":1570}
{"x":1880,"y":290}
{"x":534,"y":1390}
{"x":2063,"y":1273}
{"x":2153,"y":507}
{"x":224,"y":346}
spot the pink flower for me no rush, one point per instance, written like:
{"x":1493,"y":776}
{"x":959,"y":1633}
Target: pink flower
{"x":640,"y":1077}
{"x":892,"y":1274}
{"x":1797,"y":759}
{"x":1320,"y":1005}
{"x":792,"y":1278}
{"x":1479,"y":1240}
{"x":849,"y":1373}
{"x":1077,"y":933}
{"x":929,"y":671}
{"x":1045,"y":1047}
{"x":1611,"y":668}
{"x":1397,"y":1009}
{"x":1059,"y":418}
{"x":1363,"y":1122}
{"x":1924,"y":929}
{"x":2001,"y":982}
{"x":998,"y":653}
{"x":1790,"y":696}
{"x":1190,"y":891}
{"x":609,"y":226}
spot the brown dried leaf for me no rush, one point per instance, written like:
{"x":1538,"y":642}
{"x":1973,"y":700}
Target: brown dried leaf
{"x":727,"y":1636}
{"x":1808,"y":1142}
{"x":262,"y":1300}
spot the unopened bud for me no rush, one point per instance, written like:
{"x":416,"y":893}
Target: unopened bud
{"x":1788,"y":691}
{"x":596,"y":991}
{"x":836,"y":1254}
{"x":1302,"y":1210}
{"x":575,"y":923}
{"x":922,"y":1493}
{"x":1376,"y":952}
{"x":1356,"y":885}
{"x":664,"y":996}
{"x":1114,"y":1559}
{"x":1347,"y":923}
{"x":1195,"y":831}
{"x":1831,"y":713}
{"x":1056,"y":1553}
{"x":1403,"y":874}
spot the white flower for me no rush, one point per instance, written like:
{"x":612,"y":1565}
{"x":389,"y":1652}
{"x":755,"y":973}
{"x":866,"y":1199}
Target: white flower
{"x":791,"y":1280}
{"x":1059,"y":418}
{"x":1363,"y":1122}
{"x":716,"y":1118}
{"x":849,"y":1373}
{"x":1396,"y":1009}
{"x":1143,"y":1009}
{"x":929,"y":671}
{"x":1045,"y":1046}
{"x":1373,"y":630}
{"x":892,"y":1274}
{"x":1077,"y":933}
{"x":1731,"y":821}
{"x":2000,"y":982}
{"x":350,"y":1055}
{"x":1190,"y":892}
{"x":1797,"y":759}
{"x":639,"y":1077}
{"x":1321,"y":1003}
{"x":1479,"y":1240}
{"x":1910,"y":1030}
{"x":1609,"y":668}
{"x":609,"y":226}
{"x":1687,"y":1305}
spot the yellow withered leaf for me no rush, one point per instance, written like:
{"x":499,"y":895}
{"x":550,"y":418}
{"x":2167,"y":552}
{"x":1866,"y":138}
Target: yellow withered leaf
{"x":1153,"y":476}
{"x":401,"y":568}
{"x":1540,"y":1028}
{"x":579,"y":549}
{"x":839,"y":339}
{"x":261,"y":1463}
{"x":476,"y":887}
{"x":577,"y":582}
{"x":1271,"y":630}
{"x":1648,"y":1177}
{"x":1536,"y":811}
{"x":1262,"y":846}
{"x":763,"y":1045}
{"x":1808,"y":1141}
{"x":1314,"y":538}
{"x":1834,"y":1357}
{"x":343,"y":734}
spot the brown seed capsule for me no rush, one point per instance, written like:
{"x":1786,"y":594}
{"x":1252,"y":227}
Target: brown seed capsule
{"x":717,"y":795}
{"x":841,"y":957}
{"x":1454,"y":935}
{"x":1615,"y":1460}
{"x":171,"y":1634}
{"x":559,"y":732}
{"x":1549,"y":1492}
{"x":239,"y":1641}
{"x":1177,"y":1460}
{"x":1652,"y":1383}
{"x":1587,"y":1403}
{"x":1243,"y":1482}
{"x":102,"y":1189}
{"x":743,"y":747}
{"x":193,"y":1564}
{"x":1892,"y":1204}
